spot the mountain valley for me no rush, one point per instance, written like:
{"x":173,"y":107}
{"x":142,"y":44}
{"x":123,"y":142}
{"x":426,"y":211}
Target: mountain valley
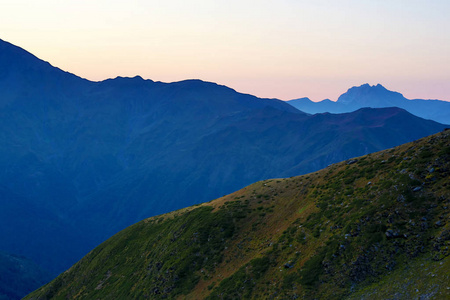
{"x":372,"y":227}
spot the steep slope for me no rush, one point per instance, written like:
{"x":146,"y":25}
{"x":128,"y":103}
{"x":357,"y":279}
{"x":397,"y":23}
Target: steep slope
{"x":27,"y":227}
{"x":372,"y":227}
{"x":65,"y":138}
{"x":19,"y":276}
{"x":377,"y":96}
{"x":87,"y":159}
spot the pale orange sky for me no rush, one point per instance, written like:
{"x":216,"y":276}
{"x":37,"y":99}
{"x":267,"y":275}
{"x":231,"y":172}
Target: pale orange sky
{"x":282,"y":49}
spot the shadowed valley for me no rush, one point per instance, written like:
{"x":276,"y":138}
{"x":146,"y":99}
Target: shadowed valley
{"x":373,"y":227}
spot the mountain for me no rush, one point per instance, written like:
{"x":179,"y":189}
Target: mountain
{"x":19,"y":276}
{"x":370,"y":96}
{"x":81,"y":160}
{"x":307,"y":105}
{"x":376,"y":97}
{"x":372,"y":227}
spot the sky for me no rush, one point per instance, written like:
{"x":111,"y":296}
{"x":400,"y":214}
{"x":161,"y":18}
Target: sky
{"x":283,"y":49}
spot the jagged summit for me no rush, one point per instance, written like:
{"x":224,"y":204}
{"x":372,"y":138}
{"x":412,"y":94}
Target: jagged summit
{"x":134,"y":78}
{"x":373,"y":96}
{"x":377,"y":96}
{"x":123,"y":81}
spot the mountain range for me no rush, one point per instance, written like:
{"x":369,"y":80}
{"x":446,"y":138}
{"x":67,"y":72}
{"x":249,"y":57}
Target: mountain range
{"x":81,"y":160}
{"x":375,"y":97}
{"x":372,"y":227}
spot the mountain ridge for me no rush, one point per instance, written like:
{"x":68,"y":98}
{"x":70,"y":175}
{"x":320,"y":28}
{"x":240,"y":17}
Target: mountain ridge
{"x":351,"y":230}
{"x":376,"y":96}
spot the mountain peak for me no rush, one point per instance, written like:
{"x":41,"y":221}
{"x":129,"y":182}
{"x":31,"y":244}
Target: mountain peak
{"x":367,"y":88}
{"x":304,"y":100}
{"x":19,"y":65}
{"x":370,"y":95}
{"x":11,"y":56}
{"x":135,"y":79}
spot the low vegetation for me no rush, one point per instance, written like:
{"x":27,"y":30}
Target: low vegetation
{"x":373,"y":227}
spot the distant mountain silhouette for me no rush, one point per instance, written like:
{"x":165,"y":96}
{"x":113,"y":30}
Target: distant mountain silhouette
{"x":377,"y":97}
{"x":81,"y":160}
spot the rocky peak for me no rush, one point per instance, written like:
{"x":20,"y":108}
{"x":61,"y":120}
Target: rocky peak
{"x":370,"y":95}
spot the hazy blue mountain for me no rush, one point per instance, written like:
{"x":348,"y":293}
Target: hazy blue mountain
{"x":308,"y":106}
{"x":376,"y":97}
{"x":81,"y":160}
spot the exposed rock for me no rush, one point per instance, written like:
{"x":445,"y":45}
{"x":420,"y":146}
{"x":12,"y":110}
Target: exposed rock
{"x":400,"y":198}
{"x":393,"y":234}
{"x":352,"y":161}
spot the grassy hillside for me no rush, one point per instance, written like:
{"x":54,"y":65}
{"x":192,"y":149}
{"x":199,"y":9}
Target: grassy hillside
{"x":373,"y":227}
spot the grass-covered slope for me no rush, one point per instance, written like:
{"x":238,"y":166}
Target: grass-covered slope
{"x":374,"y":227}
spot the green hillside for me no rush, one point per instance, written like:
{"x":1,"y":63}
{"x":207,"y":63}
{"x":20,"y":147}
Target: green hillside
{"x":374,"y":227}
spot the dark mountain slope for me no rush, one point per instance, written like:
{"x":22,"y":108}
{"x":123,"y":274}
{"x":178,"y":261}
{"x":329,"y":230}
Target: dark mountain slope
{"x":377,"y":97}
{"x":315,"y":140}
{"x":22,"y":222}
{"x":275,"y":147}
{"x":26,"y":81}
{"x":354,"y":229}
{"x":19,"y":276}
{"x":91,"y":158}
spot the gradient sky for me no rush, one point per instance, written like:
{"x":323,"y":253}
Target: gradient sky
{"x":283,"y":49}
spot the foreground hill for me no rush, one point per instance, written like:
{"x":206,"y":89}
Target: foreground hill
{"x":377,"y":96}
{"x":81,"y":160}
{"x":373,"y":227}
